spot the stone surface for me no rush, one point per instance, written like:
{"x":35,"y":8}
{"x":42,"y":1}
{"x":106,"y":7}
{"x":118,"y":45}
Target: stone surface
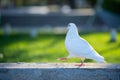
{"x":58,"y":71}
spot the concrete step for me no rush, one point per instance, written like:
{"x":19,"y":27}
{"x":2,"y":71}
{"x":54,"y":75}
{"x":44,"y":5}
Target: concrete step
{"x":59,"y":71}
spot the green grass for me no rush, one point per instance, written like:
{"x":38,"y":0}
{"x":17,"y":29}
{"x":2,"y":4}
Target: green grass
{"x":49,"y":47}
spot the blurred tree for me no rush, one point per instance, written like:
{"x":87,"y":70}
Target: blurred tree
{"x":92,"y":2}
{"x":112,"y":18}
{"x":18,"y":2}
{"x":112,"y":6}
{"x":109,"y":12}
{"x":72,"y":4}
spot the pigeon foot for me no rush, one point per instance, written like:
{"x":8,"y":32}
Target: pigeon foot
{"x":79,"y":65}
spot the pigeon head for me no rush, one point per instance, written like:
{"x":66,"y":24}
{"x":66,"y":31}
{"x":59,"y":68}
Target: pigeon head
{"x":72,"y":27}
{"x":72,"y":30}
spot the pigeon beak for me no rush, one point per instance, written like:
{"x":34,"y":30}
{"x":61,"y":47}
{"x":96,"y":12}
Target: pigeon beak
{"x":68,"y":28}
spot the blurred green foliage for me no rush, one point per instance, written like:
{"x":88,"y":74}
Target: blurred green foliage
{"x":49,"y":47}
{"x":112,"y":6}
{"x":109,"y":5}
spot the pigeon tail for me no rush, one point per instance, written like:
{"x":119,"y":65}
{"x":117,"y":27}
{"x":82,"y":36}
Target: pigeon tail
{"x":100,"y":59}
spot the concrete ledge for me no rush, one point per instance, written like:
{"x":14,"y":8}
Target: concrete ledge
{"x":58,"y":71}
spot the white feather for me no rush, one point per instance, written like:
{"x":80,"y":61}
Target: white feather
{"x":79,"y":47}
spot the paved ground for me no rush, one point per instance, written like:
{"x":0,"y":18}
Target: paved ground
{"x":58,"y":71}
{"x":57,"y":65}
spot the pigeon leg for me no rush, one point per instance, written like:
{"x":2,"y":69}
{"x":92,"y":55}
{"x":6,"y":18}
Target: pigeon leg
{"x":62,"y":59}
{"x":82,"y":63}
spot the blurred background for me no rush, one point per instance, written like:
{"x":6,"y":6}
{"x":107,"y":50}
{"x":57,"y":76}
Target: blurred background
{"x":34,"y":30}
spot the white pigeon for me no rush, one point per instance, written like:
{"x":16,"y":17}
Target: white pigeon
{"x":79,"y":47}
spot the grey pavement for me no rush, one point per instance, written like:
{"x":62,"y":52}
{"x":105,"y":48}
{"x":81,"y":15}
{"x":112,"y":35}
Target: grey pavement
{"x":58,"y":71}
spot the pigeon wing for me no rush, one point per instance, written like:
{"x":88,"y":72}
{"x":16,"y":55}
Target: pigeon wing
{"x":81,"y":47}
